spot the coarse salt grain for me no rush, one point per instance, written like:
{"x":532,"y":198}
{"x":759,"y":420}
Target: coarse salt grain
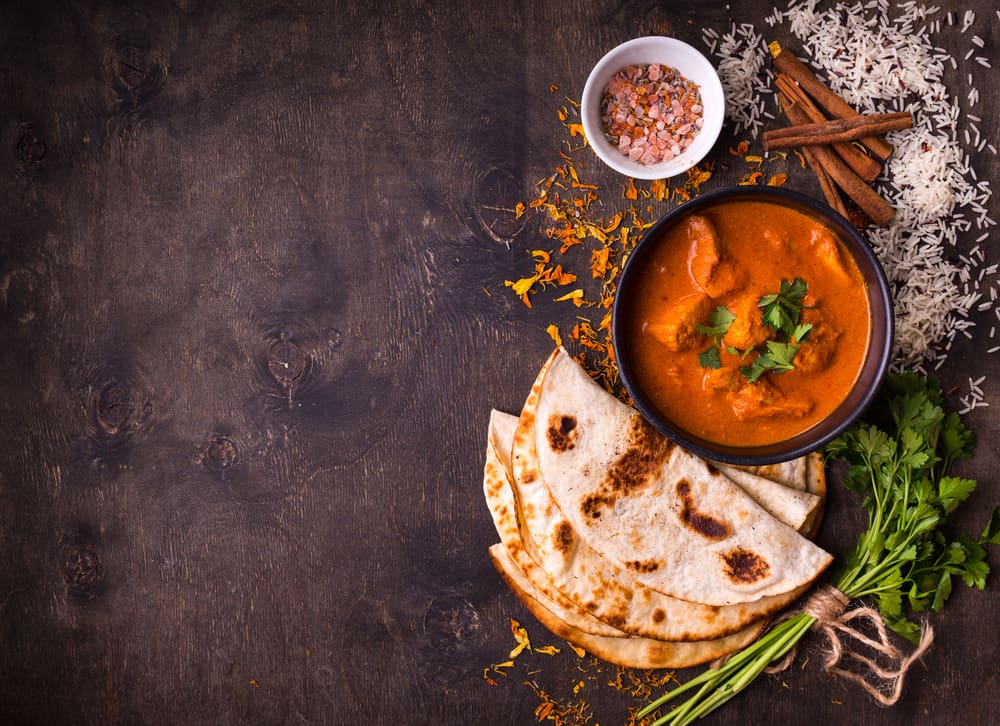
{"x":651,"y":112}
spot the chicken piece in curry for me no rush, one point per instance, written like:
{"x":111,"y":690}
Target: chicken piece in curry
{"x":790,"y":340}
{"x":677,"y":330}
{"x":712,"y":268}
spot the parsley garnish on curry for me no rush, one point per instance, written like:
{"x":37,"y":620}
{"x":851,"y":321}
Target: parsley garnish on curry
{"x":750,"y":324}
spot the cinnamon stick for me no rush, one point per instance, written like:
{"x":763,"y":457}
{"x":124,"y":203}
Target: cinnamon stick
{"x":834,"y":104}
{"x":826,"y":183}
{"x":867,"y":167}
{"x":841,"y":129}
{"x":874,"y":206}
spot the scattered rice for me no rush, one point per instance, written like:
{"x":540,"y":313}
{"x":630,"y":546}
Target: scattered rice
{"x":881,"y":57}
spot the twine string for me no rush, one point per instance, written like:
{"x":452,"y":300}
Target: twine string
{"x":828,"y":606}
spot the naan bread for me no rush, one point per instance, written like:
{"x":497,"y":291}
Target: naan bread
{"x":630,"y":652}
{"x":562,"y":567}
{"x":679,"y":525}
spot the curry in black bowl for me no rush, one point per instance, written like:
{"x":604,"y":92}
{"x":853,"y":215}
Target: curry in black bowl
{"x":752,"y":325}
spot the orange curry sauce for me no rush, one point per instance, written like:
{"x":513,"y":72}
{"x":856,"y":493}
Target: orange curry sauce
{"x":732,"y":254}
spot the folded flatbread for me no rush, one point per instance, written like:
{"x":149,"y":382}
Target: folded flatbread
{"x":630,"y":652}
{"x":792,"y":473}
{"x":500,"y":499}
{"x":676,"y":523}
{"x":564,"y":569}
{"x":794,"y":507}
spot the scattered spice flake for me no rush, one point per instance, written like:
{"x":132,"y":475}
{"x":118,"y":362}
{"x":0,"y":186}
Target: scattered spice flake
{"x":576,"y":296}
{"x":541,"y":255}
{"x":753,"y":177}
{"x":802,"y":159}
{"x":558,"y":276}
{"x":741,"y":148}
{"x":576,"y":130}
{"x":754,"y":159}
{"x":563,"y":704}
{"x":659,"y":189}
{"x":254,"y":683}
{"x":698,"y":175}
{"x":553,"y":88}
{"x":553,"y":331}
{"x":563,"y":714}
{"x":777,"y":180}
{"x":518,"y":210}
{"x":599,"y":261}
{"x":522,"y":287}
{"x":521,"y":636}
{"x":630,"y":191}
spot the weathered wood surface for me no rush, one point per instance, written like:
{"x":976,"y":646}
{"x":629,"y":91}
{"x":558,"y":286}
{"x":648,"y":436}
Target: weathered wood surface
{"x":253,"y":322}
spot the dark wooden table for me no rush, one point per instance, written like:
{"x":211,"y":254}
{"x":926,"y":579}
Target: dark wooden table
{"x":253,"y":321}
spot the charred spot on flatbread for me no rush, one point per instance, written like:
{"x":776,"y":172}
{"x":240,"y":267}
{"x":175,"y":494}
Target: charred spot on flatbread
{"x":593,"y":504}
{"x":642,"y":460}
{"x":564,"y":537}
{"x":562,"y":432}
{"x":705,"y":525}
{"x":659,"y":616}
{"x":645,"y":566}
{"x":745,"y":567}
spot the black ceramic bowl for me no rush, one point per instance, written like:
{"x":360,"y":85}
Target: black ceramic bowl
{"x":876,"y":361}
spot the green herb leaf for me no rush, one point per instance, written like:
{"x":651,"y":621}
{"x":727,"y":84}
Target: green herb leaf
{"x":777,"y":359}
{"x":953,"y":491}
{"x":781,"y":311}
{"x":710,"y":358}
{"x":718,"y":323}
{"x":801,"y":332}
{"x":991,"y":534}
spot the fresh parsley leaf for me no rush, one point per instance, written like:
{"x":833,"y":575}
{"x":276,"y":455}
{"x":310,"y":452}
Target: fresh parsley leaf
{"x":710,"y":358}
{"x":719,"y":321}
{"x":781,"y":311}
{"x":777,"y":359}
{"x":953,"y":490}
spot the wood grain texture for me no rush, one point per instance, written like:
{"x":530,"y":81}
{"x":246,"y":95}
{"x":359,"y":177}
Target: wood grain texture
{"x":253,"y":322}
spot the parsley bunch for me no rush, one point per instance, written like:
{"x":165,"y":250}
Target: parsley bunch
{"x":905,"y":561}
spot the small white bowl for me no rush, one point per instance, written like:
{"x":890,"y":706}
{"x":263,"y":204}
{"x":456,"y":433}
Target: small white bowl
{"x":689,"y":63}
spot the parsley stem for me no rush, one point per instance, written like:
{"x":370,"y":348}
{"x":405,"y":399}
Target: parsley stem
{"x":718,"y":685}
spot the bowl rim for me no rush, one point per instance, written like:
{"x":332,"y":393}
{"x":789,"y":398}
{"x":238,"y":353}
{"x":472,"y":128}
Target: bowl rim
{"x":695,"y":63}
{"x":877,"y":358}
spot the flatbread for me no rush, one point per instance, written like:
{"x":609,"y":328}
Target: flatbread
{"x":815,"y":479}
{"x":630,"y":652}
{"x":679,"y":525}
{"x":794,"y":507}
{"x":791,"y":473}
{"x":562,"y":567}
{"x":500,"y":499}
